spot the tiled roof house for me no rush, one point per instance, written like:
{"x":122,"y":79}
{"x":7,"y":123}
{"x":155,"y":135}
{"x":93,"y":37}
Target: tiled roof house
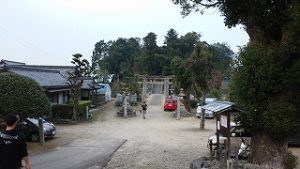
{"x":53,"y":79}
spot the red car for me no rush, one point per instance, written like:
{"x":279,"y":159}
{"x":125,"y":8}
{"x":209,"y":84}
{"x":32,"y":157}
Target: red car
{"x":170,"y":104}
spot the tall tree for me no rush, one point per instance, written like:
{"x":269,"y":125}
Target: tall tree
{"x":99,"y":53}
{"x":75,"y":79}
{"x":200,"y":66}
{"x":150,"y":44}
{"x":188,"y":42}
{"x":266,"y":80}
{"x":151,"y":61}
{"x":172,"y":43}
{"x":222,"y":59}
{"x":170,"y":49}
{"x":179,"y":64}
{"x":121,"y":56}
{"x":183,"y":78}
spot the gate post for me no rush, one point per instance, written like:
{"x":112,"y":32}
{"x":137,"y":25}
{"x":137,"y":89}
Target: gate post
{"x":144,"y":89}
{"x":166,"y":84}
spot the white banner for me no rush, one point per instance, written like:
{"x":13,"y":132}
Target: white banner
{"x":224,"y":121}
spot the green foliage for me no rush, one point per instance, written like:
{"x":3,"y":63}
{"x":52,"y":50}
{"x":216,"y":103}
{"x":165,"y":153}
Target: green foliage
{"x":222,"y":59}
{"x":183,"y":77}
{"x":82,"y":66}
{"x":290,"y":161}
{"x":152,"y":61}
{"x":215,"y":93}
{"x":193,"y":103}
{"x":82,"y":69}
{"x":62,"y":111}
{"x":82,"y":107}
{"x":172,"y":44}
{"x":99,"y":53}
{"x":65,"y":111}
{"x":150,"y":44}
{"x":133,"y":87}
{"x":266,"y":79}
{"x":269,"y":17}
{"x":121,"y":58}
{"x":126,"y":57}
{"x":22,"y":96}
{"x":199,"y":64}
{"x":267,"y":88}
{"x":187,"y":43}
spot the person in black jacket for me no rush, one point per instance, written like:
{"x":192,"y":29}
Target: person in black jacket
{"x":13,"y":148}
{"x":144,"y":108}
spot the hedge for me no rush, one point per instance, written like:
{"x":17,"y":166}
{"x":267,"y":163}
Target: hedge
{"x":82,"y":107}
{"x":62,"y":111}
{"x":65,"y":111}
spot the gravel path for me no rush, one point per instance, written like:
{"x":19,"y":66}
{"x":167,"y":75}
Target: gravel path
{"x":159,"y":141}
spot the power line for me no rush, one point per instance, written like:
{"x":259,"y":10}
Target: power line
{"x":22,"y":42}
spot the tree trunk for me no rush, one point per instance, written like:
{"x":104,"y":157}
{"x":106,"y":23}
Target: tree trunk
{"x":74,"y":100}
{"x":267,"y":152}
{"x":202,"y":121}
{"x":186,"y":100}
{"x":75,"y":107}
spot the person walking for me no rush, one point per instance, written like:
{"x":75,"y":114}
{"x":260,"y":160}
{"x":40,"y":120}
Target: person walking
{"x":144,"y":108}
{"x":13,"y":148}
{"x":244,"y":148}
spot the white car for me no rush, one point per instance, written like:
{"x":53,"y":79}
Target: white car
{"x":208,"y":114}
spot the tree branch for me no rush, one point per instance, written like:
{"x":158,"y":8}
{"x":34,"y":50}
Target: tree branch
{"x":210,"y":4}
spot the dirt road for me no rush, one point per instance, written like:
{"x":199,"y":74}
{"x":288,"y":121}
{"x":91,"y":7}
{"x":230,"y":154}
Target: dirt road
{"x":157,"y":142}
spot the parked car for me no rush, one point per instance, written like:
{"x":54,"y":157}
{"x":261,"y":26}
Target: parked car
{"x":208,"y":114}
{"x":170,"y":104}
{"x":29,"y":127}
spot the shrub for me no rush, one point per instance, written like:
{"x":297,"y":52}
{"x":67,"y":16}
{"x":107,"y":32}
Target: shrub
{"x":290,"y":161}
{"x":22,"y":96}
{"x":193,"y":103}
{"x":82,"y":107}
{"x":62,"y":111}
{"x":65,"y":111}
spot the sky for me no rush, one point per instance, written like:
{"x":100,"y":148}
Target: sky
{"x":49,"y":32}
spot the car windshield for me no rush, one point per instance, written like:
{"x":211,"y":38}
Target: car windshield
{"x":35,"y":121}
{"x":170,"y":101}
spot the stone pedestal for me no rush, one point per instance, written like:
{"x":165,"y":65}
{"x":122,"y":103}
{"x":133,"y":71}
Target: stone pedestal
{"x":130,"y":112}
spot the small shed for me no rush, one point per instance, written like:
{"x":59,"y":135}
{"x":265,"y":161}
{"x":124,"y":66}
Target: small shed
{"x":105,"y":90}
{"x":224,"y":112}
{"x":87,"y":87}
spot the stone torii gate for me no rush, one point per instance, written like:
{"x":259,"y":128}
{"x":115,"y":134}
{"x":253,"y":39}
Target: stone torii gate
{"x":155,"y":85}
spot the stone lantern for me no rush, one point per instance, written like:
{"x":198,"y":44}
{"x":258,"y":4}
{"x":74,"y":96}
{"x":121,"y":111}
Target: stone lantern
{"x":180,"y":98}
